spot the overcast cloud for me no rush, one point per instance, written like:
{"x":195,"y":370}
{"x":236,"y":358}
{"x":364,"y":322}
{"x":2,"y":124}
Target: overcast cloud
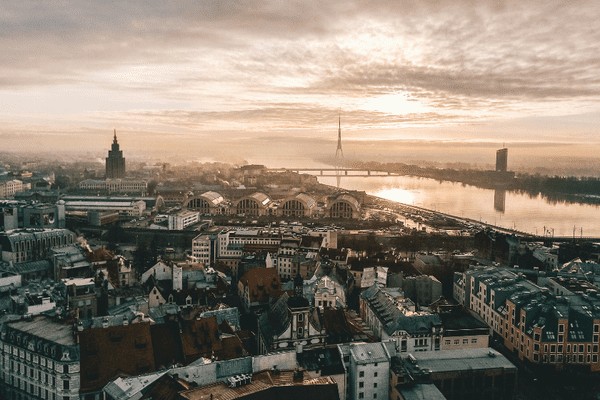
{"x":265,"y":67}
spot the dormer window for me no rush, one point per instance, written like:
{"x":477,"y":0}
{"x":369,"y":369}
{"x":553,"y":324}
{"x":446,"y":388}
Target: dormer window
{"x":66,"y":357}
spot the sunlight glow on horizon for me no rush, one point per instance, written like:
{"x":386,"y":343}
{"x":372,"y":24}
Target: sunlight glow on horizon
{"x":396,"y":70}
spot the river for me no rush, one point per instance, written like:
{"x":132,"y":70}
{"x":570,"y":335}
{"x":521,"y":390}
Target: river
{"x":507,"y":209}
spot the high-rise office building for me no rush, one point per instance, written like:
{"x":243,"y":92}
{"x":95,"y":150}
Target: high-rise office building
{"x":502,"y":160}
{"x":115,"y":162}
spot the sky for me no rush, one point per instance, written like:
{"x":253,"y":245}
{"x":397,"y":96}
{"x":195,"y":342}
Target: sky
{"x":222,"y":79}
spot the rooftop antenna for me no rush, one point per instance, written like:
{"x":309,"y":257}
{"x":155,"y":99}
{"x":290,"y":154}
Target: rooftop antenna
{"x":339,"y":153}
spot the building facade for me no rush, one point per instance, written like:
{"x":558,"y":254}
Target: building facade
{"x":502,"y":160}
{"x":367,"y":370}
{"x":556,"y":323}
{"x":40,"y":360}
{"x":391,"y":316}
{"x":33,"y":244}
{"x":182,"y":219}
{"x":115,"y":162}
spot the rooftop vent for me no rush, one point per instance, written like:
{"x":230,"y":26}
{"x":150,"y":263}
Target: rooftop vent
{"x":239,"y":380}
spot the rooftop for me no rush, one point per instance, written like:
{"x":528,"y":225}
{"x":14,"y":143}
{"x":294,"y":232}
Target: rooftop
{"x":462,"y":360}
{"x":262,"y":384}
{"x":45,"y":328}
{"x":421,"y":391}
{"x":366,"y":353}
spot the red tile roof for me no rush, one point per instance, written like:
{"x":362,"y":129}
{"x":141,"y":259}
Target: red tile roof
{"x":262,"y":283}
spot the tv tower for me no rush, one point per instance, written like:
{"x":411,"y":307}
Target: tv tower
{"x":339,"y":153}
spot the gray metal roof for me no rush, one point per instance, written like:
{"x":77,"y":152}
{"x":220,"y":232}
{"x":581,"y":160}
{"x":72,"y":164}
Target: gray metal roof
{"x":421,"y":391}
{"x":45,"y":328}
{"x":368,"y":353}
{"x":393,"y":319}
{"x":462,"y":360}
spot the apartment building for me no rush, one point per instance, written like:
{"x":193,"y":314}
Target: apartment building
{"x":39,"y":360}
{"x":391,"y":316}
{"x":556,"y":322}
{"x":367,"y":368}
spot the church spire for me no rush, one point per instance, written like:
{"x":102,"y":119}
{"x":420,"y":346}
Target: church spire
{"x":115,"y":136}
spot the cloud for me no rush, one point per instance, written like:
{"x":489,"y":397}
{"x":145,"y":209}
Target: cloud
{"x":262,"y":66}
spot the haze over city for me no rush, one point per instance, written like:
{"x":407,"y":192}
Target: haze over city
{"x":226,"y":80}
{"x":282,"y":199}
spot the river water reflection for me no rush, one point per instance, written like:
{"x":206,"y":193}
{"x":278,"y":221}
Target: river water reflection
{"x":506,"y":209}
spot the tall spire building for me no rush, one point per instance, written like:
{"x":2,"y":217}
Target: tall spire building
{"x":339,"y":154}
{"x":115,"y":162}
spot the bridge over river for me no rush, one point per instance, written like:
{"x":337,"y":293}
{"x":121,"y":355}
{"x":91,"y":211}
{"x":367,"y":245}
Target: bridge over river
{"x":357,"y":172}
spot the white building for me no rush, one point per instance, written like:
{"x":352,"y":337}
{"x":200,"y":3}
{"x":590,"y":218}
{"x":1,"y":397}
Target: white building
{"x":367,"y":370}
{"x":183,"y":219}
{"x":329,"y":293}
{"x":9,"y":188}
{"x":130,"y":208}
{"x":231,"y":243}
{"x":160,"y":271}
{"x":204,"y":249}
{"x":288,"y":249}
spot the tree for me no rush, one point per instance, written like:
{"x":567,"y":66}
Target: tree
{"x":114,"y":235}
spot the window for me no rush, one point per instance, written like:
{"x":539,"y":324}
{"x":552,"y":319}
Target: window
{"x":66,"y":385}
{"x":375,"y":374}
{"x":361,"y":385}
{"x":361,"y":374}
{"x":375,"y":385}
{"x":361,"y":395}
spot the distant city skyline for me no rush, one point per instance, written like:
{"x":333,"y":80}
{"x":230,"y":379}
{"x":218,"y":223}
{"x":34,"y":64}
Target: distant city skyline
{"x":211,"y":71}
